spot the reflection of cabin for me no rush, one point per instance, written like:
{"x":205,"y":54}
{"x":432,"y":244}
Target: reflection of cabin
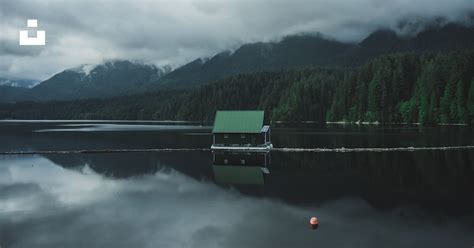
{"x":261,"y":159}
{"x":240,"y":130}
{"x":237,"y":174}
{"x":240,"y":167}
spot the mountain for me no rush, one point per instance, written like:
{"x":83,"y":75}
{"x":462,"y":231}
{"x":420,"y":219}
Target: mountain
{"x":113,"y":78}
{"x":10,"y":94}
{"x":23,"y":83}
{"x":291,"y":52}
{"x":382,"y":40}
{"x":448,"y":37}
{"x":427,"y":88}
{"x":121,"y":77}
{"x":314,"y":50}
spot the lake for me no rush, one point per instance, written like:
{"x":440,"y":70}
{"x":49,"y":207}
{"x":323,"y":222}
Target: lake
{"x":179,"y":198}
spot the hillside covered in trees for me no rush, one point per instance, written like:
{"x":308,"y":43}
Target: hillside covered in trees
{"x":429,"y":88}
{"x":115,"y":78}
{"x":298,"y":51}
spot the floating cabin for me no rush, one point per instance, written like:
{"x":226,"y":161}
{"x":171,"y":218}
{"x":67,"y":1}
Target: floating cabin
{"x":241,"y":131}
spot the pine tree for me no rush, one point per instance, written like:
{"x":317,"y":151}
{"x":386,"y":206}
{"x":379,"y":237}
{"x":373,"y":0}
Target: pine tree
{"x":374,"y":96}
{"x":432,"y":111}
{"x":398,"y":87}
{"x":470,"y":102}
{"x":362,"y":92}
{"x":447,"y":107}
{"x":460,"y":103}
{"x":424,"y":109}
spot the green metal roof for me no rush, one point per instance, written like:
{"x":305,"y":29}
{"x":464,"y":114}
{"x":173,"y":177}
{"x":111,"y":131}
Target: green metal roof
{"x":242,"y":121}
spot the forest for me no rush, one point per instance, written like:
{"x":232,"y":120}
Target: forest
{"x":427,"y":88}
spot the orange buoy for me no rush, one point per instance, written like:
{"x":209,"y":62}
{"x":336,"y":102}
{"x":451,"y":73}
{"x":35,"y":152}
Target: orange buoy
{"x":314,"y":222}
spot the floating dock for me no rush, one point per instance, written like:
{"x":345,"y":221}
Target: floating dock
{"x":265,"y":148}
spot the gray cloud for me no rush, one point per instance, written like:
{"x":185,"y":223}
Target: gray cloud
{"x":48,"y":206}
{"x":176,"y":32}
{"x":10,"y":48}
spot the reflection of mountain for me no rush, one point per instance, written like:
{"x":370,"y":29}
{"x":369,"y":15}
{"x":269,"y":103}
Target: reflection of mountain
{"x":60,"y":208}
{"x":435,"y":180}
{"x":111,"y":165}
{"x":123,"y":165}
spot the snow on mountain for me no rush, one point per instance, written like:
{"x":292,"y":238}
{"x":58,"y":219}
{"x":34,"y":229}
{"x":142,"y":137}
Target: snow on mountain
{"x":22,"y":83}
{"x":83,"y":69}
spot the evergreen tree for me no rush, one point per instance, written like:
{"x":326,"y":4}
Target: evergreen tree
{"x":461,"y":102}
{"x":374,"y":94}
{"x":429,"y":88}
{"x":470,"y":103}
{"x":432,"y":110}
{"x":446,"y":105}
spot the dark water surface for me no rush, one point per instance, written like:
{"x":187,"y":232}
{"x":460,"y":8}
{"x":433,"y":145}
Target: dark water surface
{"x":171,"y":199}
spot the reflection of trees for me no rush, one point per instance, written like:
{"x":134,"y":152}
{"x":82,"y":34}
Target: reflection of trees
{"x":434,"y":179}
{"x":427,"y":177}
{"x":354,"y":136}
{"x":120,"y":165}
{"x":111,"y":165}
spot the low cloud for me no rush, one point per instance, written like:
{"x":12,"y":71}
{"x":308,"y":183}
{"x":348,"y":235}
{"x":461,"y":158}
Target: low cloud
{"x":44,"y":205}
{"x":176,"y":32}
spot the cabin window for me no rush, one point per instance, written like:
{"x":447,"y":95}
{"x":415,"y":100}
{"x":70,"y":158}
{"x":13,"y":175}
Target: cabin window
{"x":242,"y":136}
{"x":242,"y":161}
{"x":226,"y":136}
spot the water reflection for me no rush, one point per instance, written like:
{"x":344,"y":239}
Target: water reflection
{"x":192,"y":199}
{"x":240,"y":167}
{"x":45,"y":205}
{"x":439,"y":182}
{"x":24,"y":136}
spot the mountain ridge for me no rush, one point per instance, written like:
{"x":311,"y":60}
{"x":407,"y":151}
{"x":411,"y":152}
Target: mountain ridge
{"x":112,"y":78}
{"x":315,"y":50}
{"x":123,"y":77}
{"x":21,"y":83}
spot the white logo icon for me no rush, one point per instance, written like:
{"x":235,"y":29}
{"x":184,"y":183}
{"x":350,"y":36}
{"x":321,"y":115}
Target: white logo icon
{"x":39,"y":40}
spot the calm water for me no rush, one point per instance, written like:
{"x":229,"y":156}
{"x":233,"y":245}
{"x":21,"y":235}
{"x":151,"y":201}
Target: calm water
{"x":171,"y":199}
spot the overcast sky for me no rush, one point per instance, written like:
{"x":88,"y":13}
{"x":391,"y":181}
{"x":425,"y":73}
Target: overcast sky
{"x":178,"y":31}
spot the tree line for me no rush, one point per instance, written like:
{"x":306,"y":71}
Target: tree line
{"x":428,"y":88}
